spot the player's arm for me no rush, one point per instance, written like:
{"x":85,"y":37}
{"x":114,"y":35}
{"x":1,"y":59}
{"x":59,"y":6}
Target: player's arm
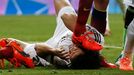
{"x":42,"y":49}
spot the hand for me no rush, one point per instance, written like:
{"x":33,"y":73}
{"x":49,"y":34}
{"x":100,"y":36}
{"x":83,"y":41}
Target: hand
{"x":60,"y":52}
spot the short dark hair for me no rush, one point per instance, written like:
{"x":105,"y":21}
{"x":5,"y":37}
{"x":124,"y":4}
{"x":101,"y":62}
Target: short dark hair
{"x":90,"y":60}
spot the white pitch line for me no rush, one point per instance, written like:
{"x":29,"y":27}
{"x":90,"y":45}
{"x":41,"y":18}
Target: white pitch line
{"x":117,"y":47}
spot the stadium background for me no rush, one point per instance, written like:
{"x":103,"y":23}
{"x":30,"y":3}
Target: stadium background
{"x":37,"y":7}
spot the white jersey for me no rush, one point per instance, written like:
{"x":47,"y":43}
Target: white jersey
{"x":129,"y":2}
{"x":61,"y":30}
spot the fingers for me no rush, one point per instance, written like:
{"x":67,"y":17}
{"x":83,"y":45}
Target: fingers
{"x":60,"y":52}
{"x":65,"y":55}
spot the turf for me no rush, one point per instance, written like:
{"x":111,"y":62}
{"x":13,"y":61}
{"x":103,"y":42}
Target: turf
{"x":40,"y":28}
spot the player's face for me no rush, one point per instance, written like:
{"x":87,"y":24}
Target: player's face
{"x":75,"y":51}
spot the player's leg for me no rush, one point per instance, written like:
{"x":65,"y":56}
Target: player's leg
{"x":83,"y":13}
{"x":80,"y":36}
{"x":70,"y":19}
{"x":98,"y":19}
{"x":128,"y":50}
{"x":125,"y":63}
{"x":65,"y":12}
{"x":59,"y":4}
{"x":108,"y":30}
{"x":122,"y":7}
{"x":128,"y":18}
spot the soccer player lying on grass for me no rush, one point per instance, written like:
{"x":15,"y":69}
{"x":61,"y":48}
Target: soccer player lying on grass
{"x":125,"y":60}
{"x":59,"y":49}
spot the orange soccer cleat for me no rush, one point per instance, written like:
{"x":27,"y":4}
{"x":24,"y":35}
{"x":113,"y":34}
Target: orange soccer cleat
{"x":21,"y":56}
{"x":14,"y":53}
{"x":87,"y":42}
{"x":125,"y":64}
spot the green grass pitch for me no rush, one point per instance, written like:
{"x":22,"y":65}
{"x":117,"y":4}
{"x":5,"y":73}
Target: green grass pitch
{"x":40,"y":28}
